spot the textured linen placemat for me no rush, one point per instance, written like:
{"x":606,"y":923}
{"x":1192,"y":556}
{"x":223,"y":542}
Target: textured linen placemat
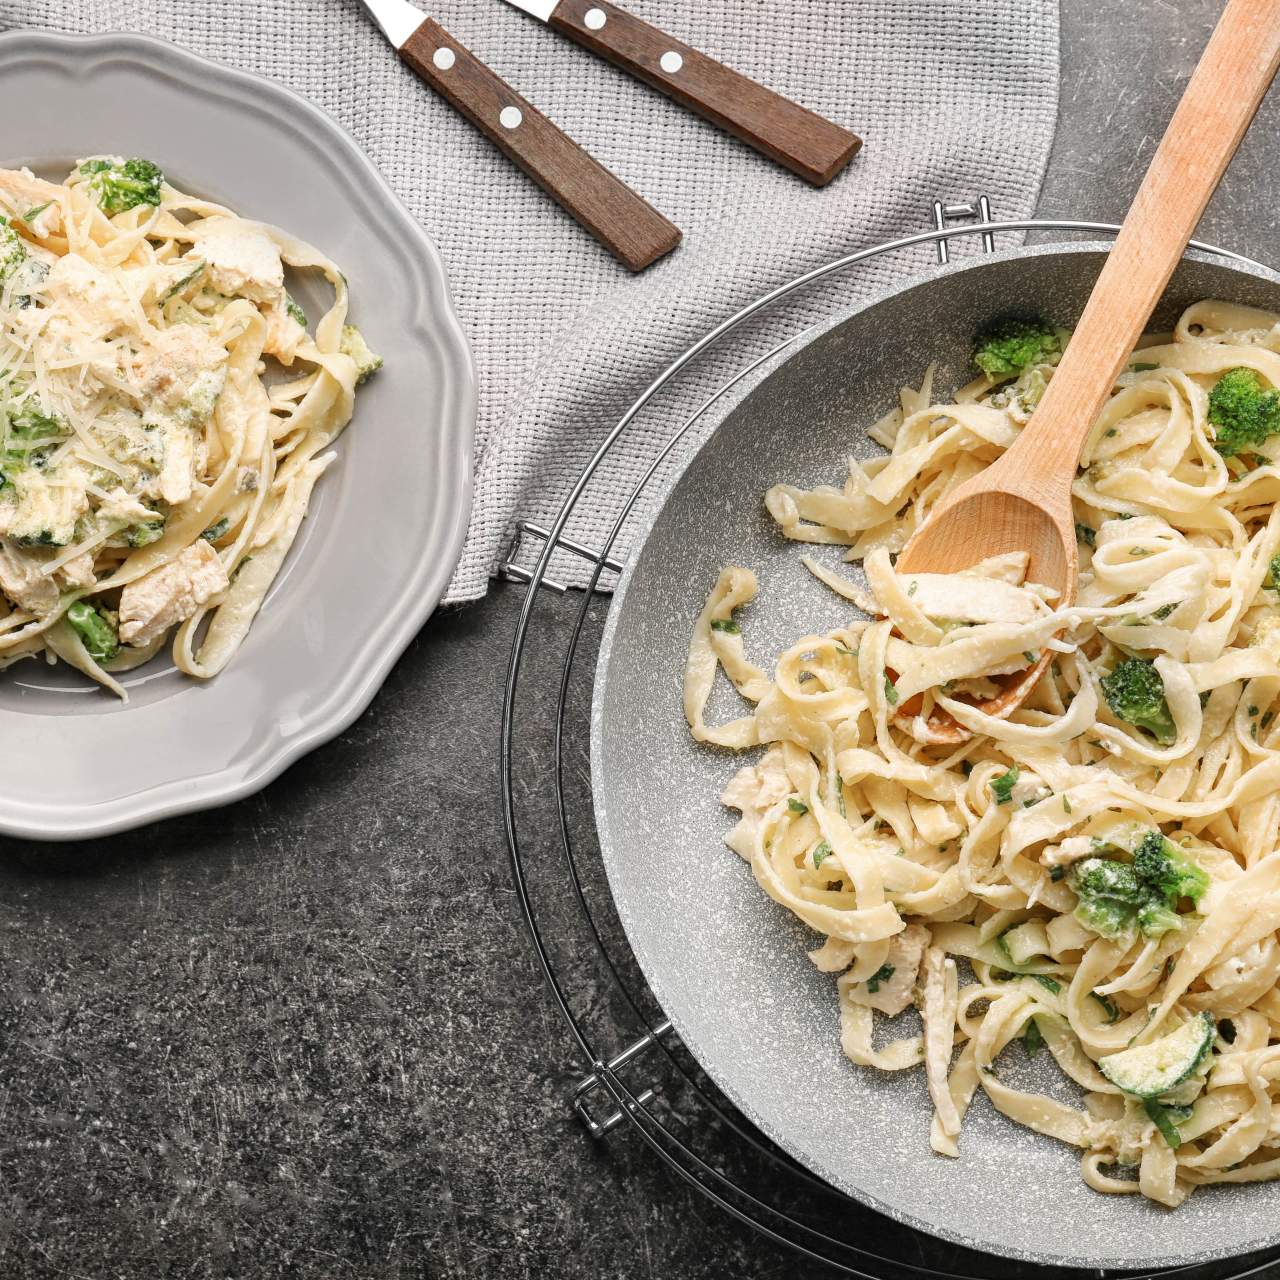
{"x":951,"y":97}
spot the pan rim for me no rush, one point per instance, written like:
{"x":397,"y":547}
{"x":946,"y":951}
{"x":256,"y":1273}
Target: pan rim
{"x":640,"y":536}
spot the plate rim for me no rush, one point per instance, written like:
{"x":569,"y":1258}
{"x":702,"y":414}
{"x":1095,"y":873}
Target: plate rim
{"x":385,"y":644}
{"x":639,"y":538}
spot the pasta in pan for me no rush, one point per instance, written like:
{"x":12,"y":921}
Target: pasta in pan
{"x":153,"y":473}
{"x":1099,"y":873}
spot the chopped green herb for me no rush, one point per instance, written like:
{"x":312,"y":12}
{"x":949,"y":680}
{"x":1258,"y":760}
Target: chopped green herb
{"x":882,"y":974}
{"x":1051,"y":985}
{"x":890,"y":692}
{"x":727,"y":625}
{"x":1085,"y":534}
{"x":821,"y":854}
{"x":797,"y":806}
{"x":1142,"y":367}
{"x":1066,"y":803}
{"x":1030,"y":657}
{"x":32,"y":214}
{"x":1057,"y":873}
{"x":1002,"y":785}
{"x":1032,"y":1038}
{"x":295,"y":312}
{"x":1227,"y":1030}
{"x":1166,"y":1119}
{"x":1111,"y":432}
{"x":1108,"y":1007}
{"x":215,"y":531}
{"x":189,"y":278}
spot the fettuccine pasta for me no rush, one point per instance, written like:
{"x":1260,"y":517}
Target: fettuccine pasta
{"x":165,"y":411}
{"x":1098,"y":874}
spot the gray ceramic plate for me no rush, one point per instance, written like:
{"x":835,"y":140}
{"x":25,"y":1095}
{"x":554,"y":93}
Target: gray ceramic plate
{"x":387,"y":524}
{"x":729,"y":965}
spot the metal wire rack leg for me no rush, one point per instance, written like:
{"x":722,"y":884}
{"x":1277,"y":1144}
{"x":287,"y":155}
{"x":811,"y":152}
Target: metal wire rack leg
{"x":672,"y":1138}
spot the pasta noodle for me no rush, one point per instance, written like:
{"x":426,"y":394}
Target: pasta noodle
{"x":166,"y":412}
{"x":1089,"y":875}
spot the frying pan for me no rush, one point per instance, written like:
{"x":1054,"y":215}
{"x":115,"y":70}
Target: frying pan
{"x":727,"y":964}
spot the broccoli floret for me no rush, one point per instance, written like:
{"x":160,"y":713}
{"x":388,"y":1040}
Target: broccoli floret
{"x":1167,"y":871}
{"x":143,"y":535}
{"x":1273,"y":574}
{"x":1106,"y":916}
{"x":1110,"y":896}
{"x":97,"y":633}
{"x":1155,"y":919}
{"x":1243,"y":412}
{"x":31,"y":436}
{"x":1106,"y":878}
{"x":43,"y":538}
{"x":13,"y":251}
{"x":1002,"y":786}
{"x":118,"y":184}
{"x":1005,"y":350}
{"x":1135,"y":692}
{"x":1116,"y":897}
{"x":353,"y":344}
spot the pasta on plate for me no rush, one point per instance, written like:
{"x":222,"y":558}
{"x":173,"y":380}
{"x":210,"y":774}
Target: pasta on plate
{"x":154,"y":467}
{"x":1098,"y":874}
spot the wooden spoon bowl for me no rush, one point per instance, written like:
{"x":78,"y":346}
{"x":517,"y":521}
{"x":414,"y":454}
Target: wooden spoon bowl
{"x":1022,"y":502}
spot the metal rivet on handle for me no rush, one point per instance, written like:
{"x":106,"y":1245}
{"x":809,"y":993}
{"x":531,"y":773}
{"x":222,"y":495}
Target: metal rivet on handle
{"x":510,"y":117}
{"x":444,"y":58}
{"x":671,"y":62}
{"x":595,"y":19}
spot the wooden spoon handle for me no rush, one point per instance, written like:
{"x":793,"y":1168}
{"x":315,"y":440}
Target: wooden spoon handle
{"x":627,"y":225}
{"x":1221,"y":99}
{"x":806,"y":143}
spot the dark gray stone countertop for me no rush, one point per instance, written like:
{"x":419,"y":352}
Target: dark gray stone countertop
{"x":306,"y":1035}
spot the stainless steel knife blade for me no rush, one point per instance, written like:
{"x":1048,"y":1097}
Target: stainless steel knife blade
{"x":398,"y":19}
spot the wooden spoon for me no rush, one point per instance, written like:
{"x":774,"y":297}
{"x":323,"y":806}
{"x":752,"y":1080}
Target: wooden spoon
{"x":1022,"y":502}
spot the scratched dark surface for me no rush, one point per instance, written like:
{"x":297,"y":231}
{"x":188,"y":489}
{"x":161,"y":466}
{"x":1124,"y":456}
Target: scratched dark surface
{"x":305,"y":1036}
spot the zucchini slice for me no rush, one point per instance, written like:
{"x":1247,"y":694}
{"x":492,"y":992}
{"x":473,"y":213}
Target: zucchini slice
{"x":1023,"y":942}
{"x":1152,"y":1069}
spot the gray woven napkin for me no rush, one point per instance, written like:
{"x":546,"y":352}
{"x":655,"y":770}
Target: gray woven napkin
{"x":952,"y":98}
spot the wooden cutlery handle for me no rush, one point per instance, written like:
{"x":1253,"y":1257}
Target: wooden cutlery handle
{"x":803,"y":141}
{"x":627,"y":225}
{"x":1225,"y":90}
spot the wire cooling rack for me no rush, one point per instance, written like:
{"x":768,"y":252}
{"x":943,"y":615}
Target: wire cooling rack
{"x":638,"y":1080}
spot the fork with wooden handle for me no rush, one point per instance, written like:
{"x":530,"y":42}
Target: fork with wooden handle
{"x":1022,"y":502}
{"x":625,"y":223}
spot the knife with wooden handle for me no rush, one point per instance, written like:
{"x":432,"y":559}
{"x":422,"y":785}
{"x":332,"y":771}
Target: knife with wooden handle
{"x":625,"y":223}
{"x":803,"y":141}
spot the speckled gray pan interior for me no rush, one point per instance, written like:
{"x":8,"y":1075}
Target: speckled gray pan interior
{"x":727,"y":963}
{"x":386,"y":527}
